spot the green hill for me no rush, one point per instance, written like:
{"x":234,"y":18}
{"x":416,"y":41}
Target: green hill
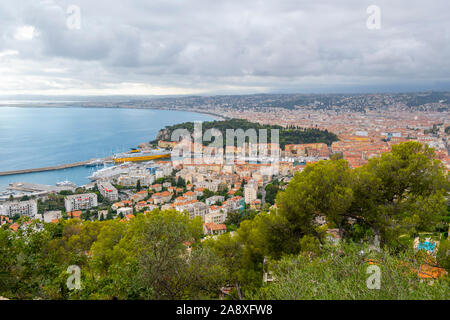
{"x":290,"y":135}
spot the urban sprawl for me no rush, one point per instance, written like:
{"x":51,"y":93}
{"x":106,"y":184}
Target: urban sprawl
{"x":366,"y":125}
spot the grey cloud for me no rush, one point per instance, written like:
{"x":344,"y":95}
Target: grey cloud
{"x":265,"y":44}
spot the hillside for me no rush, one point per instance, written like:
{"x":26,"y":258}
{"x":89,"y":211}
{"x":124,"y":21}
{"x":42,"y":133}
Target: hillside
{"x":295,"y":135}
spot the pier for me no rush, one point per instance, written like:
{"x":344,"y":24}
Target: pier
{"x":60,"y":167}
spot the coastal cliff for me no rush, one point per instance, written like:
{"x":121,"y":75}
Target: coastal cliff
{"x":164,"y":134}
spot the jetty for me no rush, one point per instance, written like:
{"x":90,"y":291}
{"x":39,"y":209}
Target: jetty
{"x":60,"y":167}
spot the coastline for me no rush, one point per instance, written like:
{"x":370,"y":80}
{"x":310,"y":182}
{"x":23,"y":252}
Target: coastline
{"x":36,"y":105}
{"x":30,"y":172}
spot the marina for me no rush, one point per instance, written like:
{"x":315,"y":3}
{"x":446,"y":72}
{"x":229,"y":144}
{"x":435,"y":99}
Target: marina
{"x":17,"y":190}
{"x":74,"y":137}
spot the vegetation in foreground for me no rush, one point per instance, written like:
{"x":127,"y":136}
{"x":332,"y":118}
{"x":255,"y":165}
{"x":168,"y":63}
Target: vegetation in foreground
{"x":161,"y":255}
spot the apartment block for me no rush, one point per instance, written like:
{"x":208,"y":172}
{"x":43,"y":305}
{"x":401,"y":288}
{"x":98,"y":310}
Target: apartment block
{"x":21,"y":208}
{"x":108,"y":191}
{"x":80,"y":201}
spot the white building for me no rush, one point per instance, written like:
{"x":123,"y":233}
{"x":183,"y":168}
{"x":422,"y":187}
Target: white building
{"x":163,"y":171}
{"x":250,"y":192}
{"x":200,"y":209}
{"x":196,"y":209}
{"x":50,"y":216}
{"x":214,"y":199}
{"x":210,"y":185}
{"x":125,"y":211}
{"x":131,"y":178}
{"x":216,"y":215}
{"x":107,"y":191}
{"x":80,"y":201}
{"x":21,"y":208}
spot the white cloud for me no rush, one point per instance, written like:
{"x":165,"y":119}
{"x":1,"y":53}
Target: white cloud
{"x":24,"y":33}
{"x":8,"y":53}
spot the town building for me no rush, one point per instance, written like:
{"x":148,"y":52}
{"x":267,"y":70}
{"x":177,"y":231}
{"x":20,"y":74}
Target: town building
{"x":80,"y":202}
{"x":214,"y":199}
{"x":108,"y":191}
{"x":20,"y":208}
{"x":214,"y":229}
{"x":250,"y":192}
{"x":52,"y":216}
{"x":124,"y":211}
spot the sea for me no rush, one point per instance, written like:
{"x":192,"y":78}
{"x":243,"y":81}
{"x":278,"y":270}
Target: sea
{"x":35,"y":137}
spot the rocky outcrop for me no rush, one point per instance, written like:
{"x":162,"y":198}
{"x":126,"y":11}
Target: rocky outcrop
{"x":164,"y":134}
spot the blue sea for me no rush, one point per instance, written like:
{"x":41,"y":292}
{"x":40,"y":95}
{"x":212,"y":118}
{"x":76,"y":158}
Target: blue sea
{"x":39,"y":137}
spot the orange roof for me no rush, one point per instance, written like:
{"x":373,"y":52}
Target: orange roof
{"x":74,"y":214}
{"x":214,"y":227}
{"x":430,"y":272}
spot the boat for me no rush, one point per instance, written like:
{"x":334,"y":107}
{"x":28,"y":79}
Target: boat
{"x":94,"y":163}
{"x":111,"y":172}
{"x":66,"y":184}
{"x":137,"y":155}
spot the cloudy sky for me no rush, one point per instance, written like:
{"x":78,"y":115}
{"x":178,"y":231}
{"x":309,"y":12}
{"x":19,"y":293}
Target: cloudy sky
{"x":104,"y":47}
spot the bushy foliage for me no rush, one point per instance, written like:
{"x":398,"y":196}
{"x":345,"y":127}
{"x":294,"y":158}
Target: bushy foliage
{"x":145,"y":258}
{"x":342,"y":273}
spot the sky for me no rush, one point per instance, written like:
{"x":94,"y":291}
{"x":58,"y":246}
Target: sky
{"x":165,"y":47}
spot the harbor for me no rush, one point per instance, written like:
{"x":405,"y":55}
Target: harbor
{"x":97,"y":133}
{"x":135,"y":155}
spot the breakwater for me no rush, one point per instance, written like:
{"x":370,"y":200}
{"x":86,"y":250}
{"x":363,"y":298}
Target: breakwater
{"x":52,"y":168}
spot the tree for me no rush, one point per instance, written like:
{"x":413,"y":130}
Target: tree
{"x":165,"y":269}
{"x":271,"y":192}
{"x":337,"y":156}
{"x":181,"y":183}
{"x":230,"y":250}
{"x":323,"y":188}
{"x":138,"y":186}
{"x":401,"y":192}
{"x":207,"y":193}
